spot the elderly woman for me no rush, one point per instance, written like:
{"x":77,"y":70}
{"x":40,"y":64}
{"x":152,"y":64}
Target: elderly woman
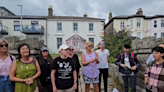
{"x":25,"y":70}
{"x":76,"y":63}
{"x":6,"y":61}
{"x":45,"y":62}
{"x":90,"y":70}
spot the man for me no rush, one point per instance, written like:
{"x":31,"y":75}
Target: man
{"x":103,"y":55}
{"x":151,"y":58}
{"x":63,"y":74}
{"x":128,"y":67}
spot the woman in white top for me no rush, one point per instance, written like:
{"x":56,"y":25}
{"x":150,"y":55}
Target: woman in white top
{"x":103,"y":55}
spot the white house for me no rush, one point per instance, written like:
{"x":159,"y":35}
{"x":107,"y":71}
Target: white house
{"x":54,"y":30}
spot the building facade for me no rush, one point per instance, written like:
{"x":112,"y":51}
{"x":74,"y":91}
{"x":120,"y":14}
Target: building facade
{"x":54,"y":30}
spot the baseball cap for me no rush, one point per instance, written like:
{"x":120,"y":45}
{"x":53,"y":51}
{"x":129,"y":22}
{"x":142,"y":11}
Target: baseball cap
{"x":63,"y":47}
{"x":43,"y":48}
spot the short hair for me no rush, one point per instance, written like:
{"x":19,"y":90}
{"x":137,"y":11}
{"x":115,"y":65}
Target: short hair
{"x":88,"y":44}
{"x":127,"y":46}
{"x":158,"y":49}
{"x":19,"y":47}
{"x":101,"y":41}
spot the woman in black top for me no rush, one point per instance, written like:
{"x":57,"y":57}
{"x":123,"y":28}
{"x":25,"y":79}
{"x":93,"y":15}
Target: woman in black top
{"x":45,"y":62}
{"x":75,"y":62}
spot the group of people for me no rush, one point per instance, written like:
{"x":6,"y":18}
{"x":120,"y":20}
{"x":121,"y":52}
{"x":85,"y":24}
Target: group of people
{"x":62,"y":74}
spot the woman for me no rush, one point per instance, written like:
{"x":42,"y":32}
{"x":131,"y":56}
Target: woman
{"x":25,"y":70}
{"x":76,"y":63}
{"x":6,"y":61}
{"x":90,"y":70}
{"x":45,"y":62}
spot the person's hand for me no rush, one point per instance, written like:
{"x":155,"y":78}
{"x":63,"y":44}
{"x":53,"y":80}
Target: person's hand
{"x":54,"y":89}
{"x":79,"y":74}
{"x":29,"y":81}
{"x":133,"y":68}
{"x":122,"y":65}
{"x":75,"y":86}
{"x":92,"y":60}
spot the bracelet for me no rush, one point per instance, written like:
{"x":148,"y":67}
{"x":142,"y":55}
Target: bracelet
{"x":75,"y":81}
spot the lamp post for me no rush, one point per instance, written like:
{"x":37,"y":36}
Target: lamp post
{"x":21,"y":20}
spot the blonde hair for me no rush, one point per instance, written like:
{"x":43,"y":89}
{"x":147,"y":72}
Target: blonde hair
{"x":3,"y":40}
{"x":88,"y":44}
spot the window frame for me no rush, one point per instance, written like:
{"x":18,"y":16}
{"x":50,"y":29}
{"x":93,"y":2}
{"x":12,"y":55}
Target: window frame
{"x":16,"y":25}
{"x":162,"y":23}
{"x":92,"y":41}
{"x":91,"y":27}
{"x":59,"y":26}
{"x":59,"y":43}
{"x":140,"y":35}
{"x":155,"y":23}
{"x":131,"y":23}
{"x":138,"y":22}
{"x":122,"y":24}
{"x":75,"y":26}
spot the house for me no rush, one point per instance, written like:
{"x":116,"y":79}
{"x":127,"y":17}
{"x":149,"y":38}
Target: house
{"x":136,"y":23}
{"x":54,"y":30}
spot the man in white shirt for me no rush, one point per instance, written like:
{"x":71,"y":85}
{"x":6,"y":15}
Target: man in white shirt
{"x":103,"y":55}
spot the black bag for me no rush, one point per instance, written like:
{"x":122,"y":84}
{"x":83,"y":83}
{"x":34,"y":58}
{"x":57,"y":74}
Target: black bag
{"x":127,"y":71}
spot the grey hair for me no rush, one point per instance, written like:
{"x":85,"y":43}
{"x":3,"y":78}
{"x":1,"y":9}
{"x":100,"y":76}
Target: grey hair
{"x":70,"y":46}
{"x":3,"y":40}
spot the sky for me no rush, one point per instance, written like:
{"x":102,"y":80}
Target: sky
{"x":93,"y":8}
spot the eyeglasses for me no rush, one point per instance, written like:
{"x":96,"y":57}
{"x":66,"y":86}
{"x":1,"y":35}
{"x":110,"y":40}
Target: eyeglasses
{"x":6,"y":45}
{"x":71,"y":49}
{"x":90,"y":46}
{"x":102,"y":43}
{"x":126,"y":51}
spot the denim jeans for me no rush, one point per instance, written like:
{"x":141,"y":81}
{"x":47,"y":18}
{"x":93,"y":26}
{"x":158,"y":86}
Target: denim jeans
{"x":5,"y":84}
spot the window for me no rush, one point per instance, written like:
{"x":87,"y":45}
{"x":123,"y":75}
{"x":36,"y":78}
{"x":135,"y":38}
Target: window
{"x":162,"y":23}
{"x":16,"y":25}
{"x":59,"y":26}
{"x":34,"y":25}
{"x":139,"y":34}
{"x":0,"y":25}
{"x":162,"y":34}
{"x":138,"y":22}
{"x":90,"y":26}
{"x":122,"y":24}
{"x":131,"y":23}
{"x":155,"y":35}
{"x":92,"y":40}
{"x":59,"y":42}
{"x":75,"y":27}
{"x":155,"y":23}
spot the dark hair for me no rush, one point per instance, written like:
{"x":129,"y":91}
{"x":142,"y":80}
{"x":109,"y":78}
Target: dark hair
{"x":158,"y":49}
{"x":41,"y":59}
{"x":19,"y":47}
{"x":127,"y":46}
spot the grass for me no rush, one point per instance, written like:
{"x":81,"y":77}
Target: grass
{"x":55,"y":55}
{"x":119,"y":85}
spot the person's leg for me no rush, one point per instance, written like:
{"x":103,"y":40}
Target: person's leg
{"x":77,"y":90}
{"x":133,"y":83}
{"x":69,"y":90}
{"x":87,"y":82}
{"x":87,"y":87}
{"x":100,"y":79}
{"x":126,"y":83}
{"x":96,"y":87}
{"x":9,"y":87}
{"x":147,"y":90}
{"x":49,"y":88}
{"x":2,"y":85}
{"x":105,"y":78}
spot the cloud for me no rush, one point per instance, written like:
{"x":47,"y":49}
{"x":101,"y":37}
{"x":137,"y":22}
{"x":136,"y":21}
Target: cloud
{"x":94,"y":8}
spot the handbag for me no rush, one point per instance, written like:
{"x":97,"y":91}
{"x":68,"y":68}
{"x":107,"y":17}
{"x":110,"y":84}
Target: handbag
{"x":127,"y":71}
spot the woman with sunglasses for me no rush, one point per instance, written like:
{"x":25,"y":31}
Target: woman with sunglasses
{"x":90,"y":70}
{"x":76,"y":63}
{"x":6,"y":61}
{"x":25,"y":70}
{"x":103,"y":56}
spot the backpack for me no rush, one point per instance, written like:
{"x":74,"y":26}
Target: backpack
{"x":132,"y":54}
{"x":11,"y":58}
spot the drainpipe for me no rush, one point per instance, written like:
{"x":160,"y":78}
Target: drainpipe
{"x":46,"y":31}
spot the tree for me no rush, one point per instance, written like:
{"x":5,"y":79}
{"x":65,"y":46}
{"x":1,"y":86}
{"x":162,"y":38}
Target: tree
{"x":115,"y":42}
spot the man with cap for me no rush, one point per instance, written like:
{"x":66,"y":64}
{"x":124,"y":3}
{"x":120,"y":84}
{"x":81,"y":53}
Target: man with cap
{"x":63,"y":74}
{"x":128,"y":67}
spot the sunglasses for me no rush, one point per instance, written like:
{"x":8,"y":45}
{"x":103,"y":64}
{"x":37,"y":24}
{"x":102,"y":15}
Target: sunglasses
{"x":6,"y":45}
{"x":90,"y":46}
{"x":71,"y":49}
{"x":102,"y":43}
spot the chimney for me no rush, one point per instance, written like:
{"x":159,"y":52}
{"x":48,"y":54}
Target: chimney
{"x":139,"y":11}
{"x":85,"y":14}
{"x":110,"y":16}
{"x":50,"y":11}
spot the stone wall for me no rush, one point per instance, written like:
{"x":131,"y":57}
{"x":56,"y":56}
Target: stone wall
{"x":34,"y":43}
{"x":142,"y":48}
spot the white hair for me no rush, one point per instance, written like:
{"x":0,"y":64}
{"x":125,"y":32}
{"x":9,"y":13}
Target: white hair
{"x":3,"y":40}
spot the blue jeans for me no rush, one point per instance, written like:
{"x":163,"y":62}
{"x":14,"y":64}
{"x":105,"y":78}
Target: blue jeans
{"x":5,"y":84}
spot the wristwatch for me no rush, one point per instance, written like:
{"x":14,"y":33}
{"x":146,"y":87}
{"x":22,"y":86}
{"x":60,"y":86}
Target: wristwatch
{"x":75,"y":81}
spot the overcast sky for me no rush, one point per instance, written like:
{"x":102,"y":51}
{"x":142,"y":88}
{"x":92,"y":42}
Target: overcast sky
{"x":93,"y":8}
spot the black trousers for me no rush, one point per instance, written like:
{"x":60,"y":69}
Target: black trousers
{"x":103,"y":72}
{"x":132,"y":83}
{"x":147,"y":90}
{"x":47,"y":88}
{"x":77,"y":90}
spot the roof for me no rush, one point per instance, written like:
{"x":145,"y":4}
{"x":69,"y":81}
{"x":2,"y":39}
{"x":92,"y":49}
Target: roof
{"x":133,"y":16}
{"x":74,"y":36}
{"x":6,"y":10}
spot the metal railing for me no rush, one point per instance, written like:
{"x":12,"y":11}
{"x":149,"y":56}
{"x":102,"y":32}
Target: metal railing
{"x":32,"y":29}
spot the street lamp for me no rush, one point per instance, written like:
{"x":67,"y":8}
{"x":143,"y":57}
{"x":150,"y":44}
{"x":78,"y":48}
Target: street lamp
{"x":21,"y":20}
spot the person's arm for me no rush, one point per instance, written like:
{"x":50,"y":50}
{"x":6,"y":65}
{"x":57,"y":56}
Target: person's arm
{"x":97,"y":60}
{"x":117,"y":62}
{"x":53,"y":77}
{"x":83,"y":60}
{"x":108,"y":55}
{"x":13,"y":73}
{"x":38,"y":71}
{"x":53,"y":72}
{"x":146,"y":74}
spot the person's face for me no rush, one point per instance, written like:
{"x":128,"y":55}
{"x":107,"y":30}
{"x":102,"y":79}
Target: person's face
{"x":65,"y":52}
{"x":3,"y":47}
{"x":45,"y":53}
{"x":24,"y":51}
{"x":161,"y":45}
{"x":157,"y":55}
{"x":126,"y":51}
{"x":71,"y":50}
{"x":89,"y":47}
{"x":102,"y":45}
